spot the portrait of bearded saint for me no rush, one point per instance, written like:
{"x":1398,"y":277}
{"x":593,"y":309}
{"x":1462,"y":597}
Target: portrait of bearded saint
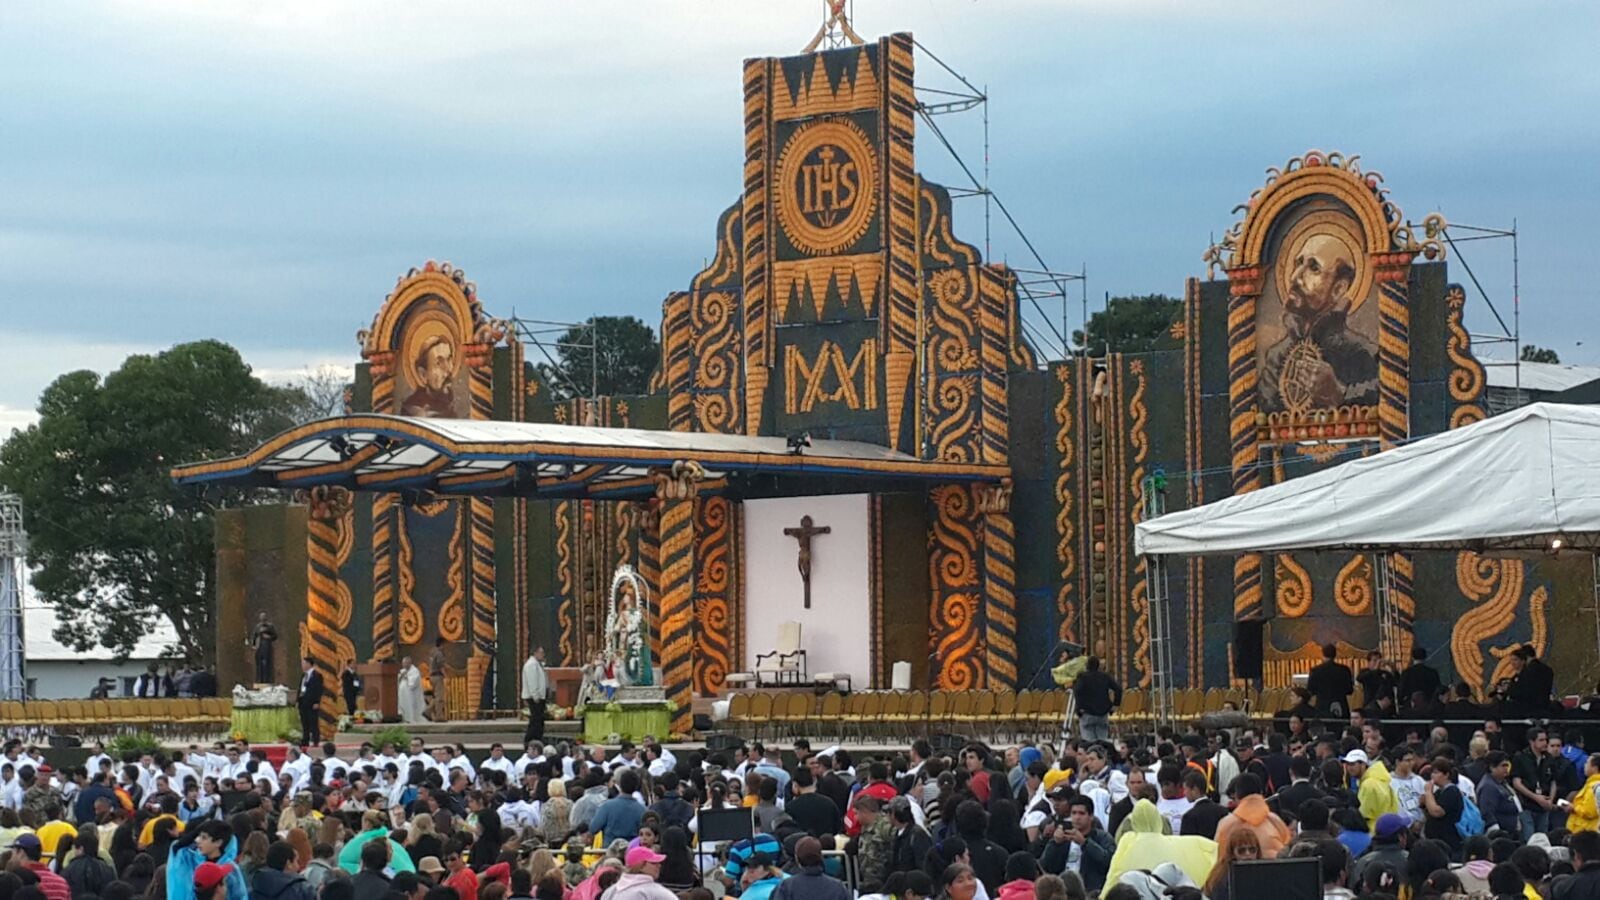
{"x":1320,"y":362}
{"x":435,"y":367}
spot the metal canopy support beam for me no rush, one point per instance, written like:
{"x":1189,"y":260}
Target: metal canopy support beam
{"x":488,"y":459}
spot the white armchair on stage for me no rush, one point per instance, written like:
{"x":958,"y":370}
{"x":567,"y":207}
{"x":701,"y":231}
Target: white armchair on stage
{"x":784,"y":665}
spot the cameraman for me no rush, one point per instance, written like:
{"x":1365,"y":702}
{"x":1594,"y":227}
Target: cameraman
{"x":1074,"y":841}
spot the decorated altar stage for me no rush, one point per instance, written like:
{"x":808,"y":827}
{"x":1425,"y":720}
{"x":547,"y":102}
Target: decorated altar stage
{"x":846,"y":370}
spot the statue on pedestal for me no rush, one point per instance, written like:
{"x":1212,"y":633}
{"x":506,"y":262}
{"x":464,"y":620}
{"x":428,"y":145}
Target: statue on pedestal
{"x":627,"y":637}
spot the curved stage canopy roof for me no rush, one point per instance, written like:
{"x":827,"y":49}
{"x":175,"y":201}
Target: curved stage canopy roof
{"x":494,"y":458}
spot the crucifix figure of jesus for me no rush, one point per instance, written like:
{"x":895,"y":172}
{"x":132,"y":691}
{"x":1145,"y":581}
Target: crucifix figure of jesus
{"x":804,"y":534}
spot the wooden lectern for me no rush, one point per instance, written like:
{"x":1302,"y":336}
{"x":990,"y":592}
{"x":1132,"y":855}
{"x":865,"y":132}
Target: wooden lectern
{"x":566,"y":683}
{"x":380,"y":687}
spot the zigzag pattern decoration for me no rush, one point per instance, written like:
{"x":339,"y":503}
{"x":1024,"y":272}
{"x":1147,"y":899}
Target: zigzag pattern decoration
{"x":851,"y":276}
{"x":816,"y":92}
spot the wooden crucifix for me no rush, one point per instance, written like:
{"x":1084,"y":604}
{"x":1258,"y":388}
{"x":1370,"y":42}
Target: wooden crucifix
{"x":804,"y":534}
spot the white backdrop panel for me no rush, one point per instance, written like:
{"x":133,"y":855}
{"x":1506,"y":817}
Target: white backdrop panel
{"x":835,"y":631}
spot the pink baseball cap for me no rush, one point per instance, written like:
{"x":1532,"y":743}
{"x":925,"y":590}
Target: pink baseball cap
{"x":638,"y":856}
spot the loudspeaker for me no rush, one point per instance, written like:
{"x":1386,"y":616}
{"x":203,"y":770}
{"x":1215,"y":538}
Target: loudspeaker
{"x":947,"y":744}
{"x":722,"y":742}
{"x":1280,"y":879}
{"x":1248,"y":640}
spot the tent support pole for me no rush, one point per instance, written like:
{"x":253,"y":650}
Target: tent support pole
{"x":1597,"y":604}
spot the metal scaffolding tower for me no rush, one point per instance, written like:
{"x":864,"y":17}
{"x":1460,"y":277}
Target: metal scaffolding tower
{"x":1389,"y":628}
{"x":1043,"y":292}
{"x":551,"y":340}
{"x":13,"y":547}
{"x":1154,"y":490}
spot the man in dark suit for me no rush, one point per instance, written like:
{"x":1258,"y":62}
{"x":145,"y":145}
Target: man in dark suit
{"x":1419,"y":676}
{"x":310,"y":703}
{"x":1299,"y":789}
{"x":1530,"y":690}
{"x":1205,"y":813}
{"x":1331,"y":683}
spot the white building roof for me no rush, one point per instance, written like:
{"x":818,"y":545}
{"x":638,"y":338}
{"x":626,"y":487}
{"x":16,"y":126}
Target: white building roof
{"x":40,"y":645}
{"x":1541,"y":377}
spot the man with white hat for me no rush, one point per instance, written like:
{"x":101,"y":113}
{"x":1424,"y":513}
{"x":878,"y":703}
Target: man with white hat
{"x":1374,"y":791}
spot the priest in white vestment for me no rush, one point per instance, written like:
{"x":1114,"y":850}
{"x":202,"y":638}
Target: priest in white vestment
{"x":411,"y":699}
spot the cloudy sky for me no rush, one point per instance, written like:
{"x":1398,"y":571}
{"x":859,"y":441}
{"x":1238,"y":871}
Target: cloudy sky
{"x":262,"y":172}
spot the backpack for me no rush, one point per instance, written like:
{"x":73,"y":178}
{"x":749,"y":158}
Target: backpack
{"x":1471,"y":821}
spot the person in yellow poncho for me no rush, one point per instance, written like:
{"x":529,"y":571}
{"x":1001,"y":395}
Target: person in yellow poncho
{"x":1585,"y":814}
{"x":1069,"y":670}
{"x":1143,"y":846}
{"x":1073,"y":663}
{"x":1376,"y":794}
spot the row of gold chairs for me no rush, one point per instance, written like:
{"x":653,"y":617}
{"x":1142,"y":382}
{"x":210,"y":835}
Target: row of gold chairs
{"x":865,"y":715}
{"x":904,"y":714}
{"x":101,"y":714}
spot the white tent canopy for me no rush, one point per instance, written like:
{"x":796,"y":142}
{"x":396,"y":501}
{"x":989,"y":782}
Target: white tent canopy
{"x":1517,"y":482}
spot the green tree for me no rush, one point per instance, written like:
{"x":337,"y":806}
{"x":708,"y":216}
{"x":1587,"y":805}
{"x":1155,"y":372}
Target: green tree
{"x":1536,"y":354}
{"x":114,"y":541}
{"x":1129,"y":324}
{"x":628,"y":354}
{"x":325,"y":389}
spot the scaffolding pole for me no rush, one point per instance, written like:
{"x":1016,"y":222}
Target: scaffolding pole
{"x":1455,"y":236}
{"x":549,"y":339}
{"x":1597,"y":605}
{"x":1157,"y":598}
{"x":13,"y":549}
{"x":1389,"y":631}
{"x":1037,"y":287}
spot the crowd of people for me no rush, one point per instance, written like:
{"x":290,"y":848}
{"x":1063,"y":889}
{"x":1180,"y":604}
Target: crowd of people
{"x":177,"y":680}
{"x":1492,"y":811}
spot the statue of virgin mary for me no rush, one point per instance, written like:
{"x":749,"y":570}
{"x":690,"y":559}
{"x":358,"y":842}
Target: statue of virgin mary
{"x":628,"y":629}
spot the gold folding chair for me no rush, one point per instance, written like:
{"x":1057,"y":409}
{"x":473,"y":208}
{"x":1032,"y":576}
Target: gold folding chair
{"x":1005,"y":712}
{"x":851,"y":711}
{"x":1052,"y":708}
{"x":760,"y":712}
{"x":801,"y":707}
{"x":938,"y":709}
{"x":892,"y":713}
{"x":960,"y":708}
{"x":1193,"y":703}
{"x":830,"y":713}
{"x":916,"y":712}
{"x":871,"y":711}
{"x":738,"y":709}
{"x":1128,"y":710}
{"x":1021,"y":716}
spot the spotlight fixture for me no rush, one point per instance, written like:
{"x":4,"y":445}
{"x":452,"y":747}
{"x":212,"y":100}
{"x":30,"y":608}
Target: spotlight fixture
{"x":799,"y":442}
